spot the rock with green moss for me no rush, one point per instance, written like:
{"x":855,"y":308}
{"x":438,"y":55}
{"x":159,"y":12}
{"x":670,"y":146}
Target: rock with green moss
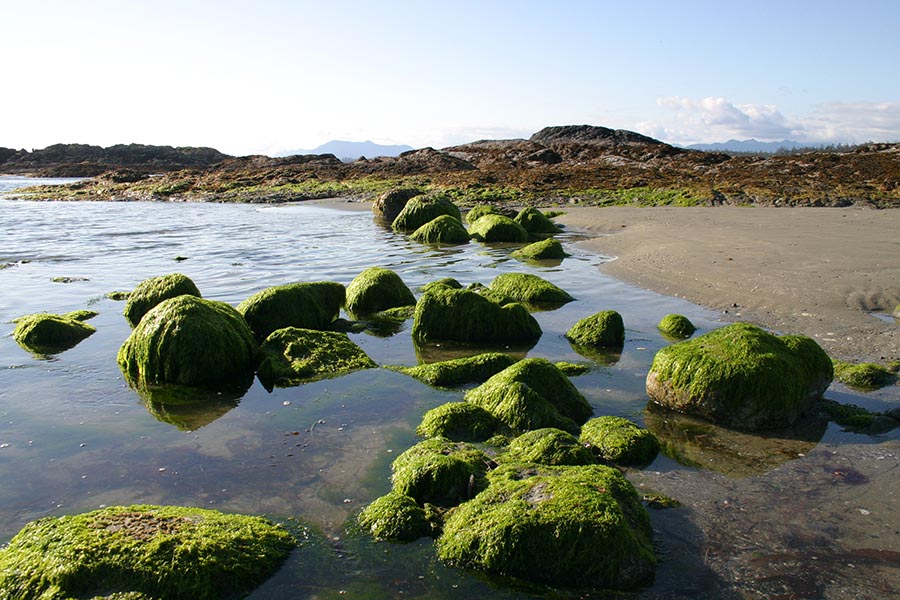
{"x":532,"y":394}
{"x":442,"y":230}
{"x":493,"y":228}
{"x":458,"y":421}
{"x":46,"y":333}
{"x":535,"y":222}
{"x":492,"y":295}
{"x":480,"y":210}
{"x":530,"y":289}
{"x":395,"y":517}
{"x":462,"y":315}
{"x":548,"y":249}
{"x":422,"y":209}
{"x":391,"y":203}
{"x":676,"y":326}
{"x":602,"y":330}
{"x":312,"y":305}
{"x":189,"y":341}
{"x":440,"y":471}
{"x":143,"y":552}
{"x":377,"y":289}
{"x":151,"y":292}
{"x":619,"y":441}
{"x":291,"y":356}
{"x":741,"y":376}
{"x":548,"y":446}
{"x":572,"y":369}
{"x":565,"y":526}
{"x":863,"y":376}
{"x":457,"y":371}
{"x":448,"y":282}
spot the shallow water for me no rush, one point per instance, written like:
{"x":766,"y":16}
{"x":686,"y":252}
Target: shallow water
{"x":74,"y":436}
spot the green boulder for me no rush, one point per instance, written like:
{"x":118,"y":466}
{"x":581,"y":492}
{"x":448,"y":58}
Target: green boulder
{"x":548,"y":249}
{"x":160,"y":552}
{"x":442,"y":230}
{"x":291,"y":356}
{"x":548,"y":446}
{"x":395,"y":517}
{"x":440,"y":471}
{"x":462,"y":315}
{"x":391,"y":203}
{"x":535,"y":222}
{"x":676,"y":326}
{"x":377,"y":289}
{"x":741,"y":376}
{"x":422,"y":209}
{"x":863,"y":376}
{"x":480,"y":210}
{"x":458,"y":421}
{"x":151,"y":292}
{"x":491,"y":228}
{"x":45,"y":333}
{"x":530,"y":289}
{"x":448,"y":282}
{"x":457,"y":371}
{"x":313,"y":305}
{"x":619,"y":441}
{"x":604,"y":330}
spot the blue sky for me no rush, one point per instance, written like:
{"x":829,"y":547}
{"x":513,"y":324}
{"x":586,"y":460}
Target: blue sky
{"x":268,"y":76}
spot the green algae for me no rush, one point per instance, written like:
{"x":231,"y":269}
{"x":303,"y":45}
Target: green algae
{"x":462,"y":315}
{"x":377,"y":289}
{"x":448,"y":282}
{"x":549,"y":249}
{"x":46,"y":333}
{"x":493,"y":228}
{"x":676,"y":326}
{"x":419,"y":210}
{"x":458,"y":421}
{"x":313,"y":305}
{"x":572,"y":369}
{"x":547,"y":446}
{"x":618,"y":440}
{"x":602,"y":330}
{"x":442,"y":230}
{"x":161,"y":552}
{"x":535,"y":222}
{"x":440,"y":471}
{"x":457,"y":371}
{"x":529,"y":289}
{"x":291,"y":356}
{"x":190,"y":341}
{"x":568,"y":526}
{"x":863,"y":376}
{"x":395,"y":517}
{"x":480,"y":210}
{"x":151,"y":292}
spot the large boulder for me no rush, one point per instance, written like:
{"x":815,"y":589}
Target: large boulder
{"x":602,"y":330}
{"x":548,"y":446}
{"x":151,"y":292}
{"x":377,"y":289}
{"x":442,"y":230}
{"x":443,"y":313}
{"x":618,"y":440}
{"x":535,"y":222}
{"x":313,"y":305}
{"x":458,"y":421}
{"x":440,"y":471}
{"x":395,"y":517}
{"x":549,"y":249}
{"x":422,"y":209}
{"x":530,"y":289}
{"x":46,"y":333}
{"x":143,"y":552}
{"x":188,"y":341}
{"x":457,"y":371}
{"x":565,"y":526}
{"x":741,"y":376}
{"x":491,"y":228}
{"x":391,"y":203}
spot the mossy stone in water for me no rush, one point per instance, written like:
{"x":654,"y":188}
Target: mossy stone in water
{"x":449,"y":373}
{"x":741,"y":376}
{"x":447,"y":282}
{"x":863,"y":376}
{"x":442,"y":230}
{"x":492,"y":228}
{"x":676,"y":326}
{"x":377,"y":289}
{"x":530,"y":289}
{"x":620,"y":441}
{"x":143,"y":551}
{"x":480,"y":210}
{"x":313,"y":305}
{"x":151,"y":292}
{"x":548,"y":249}
{"x":422,"y":209}
{"x":292,"y":355}
{"x":391,"y":203}
{"x":566,"y":526}
{"x":190,"y":341}
{"x":602,"y":330}
{"x":46,"y":333}
{"x":462,"y":315}
{"x":534,"y":221}
{"x":440,"y":471}
{"x":548,"y":446}
{"x":395,"y":517}
{"x":458,"y":421}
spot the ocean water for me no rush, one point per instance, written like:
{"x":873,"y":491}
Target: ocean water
{"x":74,"y":436}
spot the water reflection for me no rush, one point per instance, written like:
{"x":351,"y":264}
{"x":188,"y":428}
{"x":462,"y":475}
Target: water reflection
{"x":431,"y":351}
{"x":601,"y":356}
{"x":189,"y":408}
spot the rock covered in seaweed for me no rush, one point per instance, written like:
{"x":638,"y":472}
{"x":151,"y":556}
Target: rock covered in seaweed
{"x":530,"y":289}
{"x":442,"y":230}
{"x":492,"y":228}
{"x":462,"y":315}
{"x":440,"y":471}
{"x":741,"y":376}
{"x":46,"y":333}
{"x":604,"y":330}
{"x":549,"y":249}
{"x":377,"y":289}
{"x":395,"y":517}
{"x":422,"y":209}
{"x":535,"y":222}
{"x":458,"y":421}
{"x":151,"y":292}
{"x":548,"y":446}
{"x":457,"y":371}
{"x":480,"y":210}
{"x":676,"y":326}
{"x":620,"y":441}
{"x":863,"y":376}
{"x":143,"y":552}
{"x":391,"y":203}
{"x":308,"y":305}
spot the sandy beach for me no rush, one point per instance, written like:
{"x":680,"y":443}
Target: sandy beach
{"x":820,"y":272}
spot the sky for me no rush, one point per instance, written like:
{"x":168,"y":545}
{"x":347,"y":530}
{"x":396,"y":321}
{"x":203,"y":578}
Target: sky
{"x":268,"y":76}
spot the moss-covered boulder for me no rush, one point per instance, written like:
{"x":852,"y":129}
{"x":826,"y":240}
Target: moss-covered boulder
{"x":447,"y":282}
{"x":863,"y":376}
{"x":535,"y":222}
{"x":395,"y":517}
{"x":741,"y":376}
{"x":422,"y":209}
{"x":377,"y":289}
{"x":602,"y":330}
{"x":189,"y":341}
{"x":548,"y":249}
{"x":548,"y":446}
{"x":142,"y":551}
{"x":676,"y":326}
{"x":442,"y":230}
{"x":480,"y":210}
{"x":620,"y":441}
{"x":457,"y":371}
{"x":313,"y":305}
{"x":532,"y":394}
{"x":493,"y":228}
{"x":530,"y":289}
{"x":458,"y":421}
{"x":291,"y":356}
{"x":566,"y":526}
{"x":462,"y":315}
{"x":151,"y":292}
{"x":440,"y":471}
{"x":46,"y":333}
{"x":391,"y":203}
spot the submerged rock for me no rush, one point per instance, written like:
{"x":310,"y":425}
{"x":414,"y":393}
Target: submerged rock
{"x":395,"y":517}
{"x":189,"y":341}
{"x":676,"y":326}
{"x":151,"y":292}
{"x":602,"y":330}
{"x":566,"y":526}
{"x":440,"y":471}
{"x":491,"y":228}
{"x":377,"y":289}
{"x":530,"y":289}
{"x":457,"y":371}
{"x":462,"y":315}
{"x":858,"y":419}
{"x":458,"y":421}
{"x":442,"y":230}
{"x":46,"y":333}
{"x":535,"y":222}
{"x":391,"y":203}
{"x":548,"y":446}
{"x":741,"y":376}
{"x":619,"y":441}
{"x":312,"y":305}
{"x":422,"y":209}
{"x":292,"y":355}
{"x":548,"y":249}
{"x":143,"y":552}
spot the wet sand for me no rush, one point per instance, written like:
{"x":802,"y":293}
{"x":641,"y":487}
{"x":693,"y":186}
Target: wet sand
{"x":819,"y":272}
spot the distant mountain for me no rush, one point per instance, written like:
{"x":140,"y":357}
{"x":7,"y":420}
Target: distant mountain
{"x":349,"y":151}
{"x":750,"y":146}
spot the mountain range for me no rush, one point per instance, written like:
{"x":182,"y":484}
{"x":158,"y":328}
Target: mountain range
{"x":350,"y":151}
